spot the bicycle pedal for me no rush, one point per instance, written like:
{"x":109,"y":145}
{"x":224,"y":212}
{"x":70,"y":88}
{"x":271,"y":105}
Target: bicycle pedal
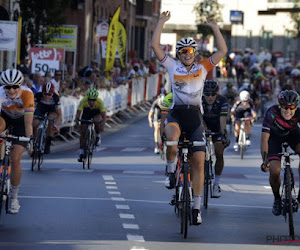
{"x":172,"y":203}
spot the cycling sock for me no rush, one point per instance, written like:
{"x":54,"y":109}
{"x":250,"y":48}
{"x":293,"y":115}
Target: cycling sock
{"x":14,"y":192}
{"x":236,"y":139}
{"x":276,"y":195}
{"x":197,"y":201}
{"x":171,"y":166}
{"x":98,"y":135}
{"x":247,"y":137}
{"x":217,"y":180}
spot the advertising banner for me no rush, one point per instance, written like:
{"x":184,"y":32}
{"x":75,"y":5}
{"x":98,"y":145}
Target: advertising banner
{"x":64,"y":37}
{"x":8,"y":35}
{"x":45,"y":59}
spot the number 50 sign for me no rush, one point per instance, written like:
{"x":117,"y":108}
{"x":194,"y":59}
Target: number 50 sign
{"x":45,"y":60}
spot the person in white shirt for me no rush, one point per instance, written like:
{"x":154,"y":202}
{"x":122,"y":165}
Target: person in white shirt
{"x":56,"y":79}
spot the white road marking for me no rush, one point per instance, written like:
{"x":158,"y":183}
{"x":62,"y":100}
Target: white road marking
{"x":122,"y":206}
{"x":126,"y":216}
{"x":117,"y":199}
{"x":108,"y":177}
{"x":137,"y":172}
{"x":135,"y":238}
{"x":110,"y":183}
{"x":111,"y":187}
{"x":114,"y":192}
{"x":267,"y":187}
{"x":130,"y":226}
{"x":76,"y":170}
{"x":132,"y":149}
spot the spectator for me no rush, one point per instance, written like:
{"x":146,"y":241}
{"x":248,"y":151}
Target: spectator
{"x":64,"y":90}
{"x":25,"y":66}
{"x":37,"y":83}
{"x":56,"y":80}
{"x":133,"y":72}
{"x":152,"y":66}
{"x":122,"y":79}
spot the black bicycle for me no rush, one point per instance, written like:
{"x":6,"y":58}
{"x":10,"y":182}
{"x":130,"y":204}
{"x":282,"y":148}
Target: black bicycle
{"x":39,"y":143}
{"x":183,"y":189}
{"x":288,"y":193}
{"x":90,"y":142}
{"x":5,"y":184}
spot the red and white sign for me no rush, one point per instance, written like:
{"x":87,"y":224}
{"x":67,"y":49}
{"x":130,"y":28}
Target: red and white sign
{"x":102,"y":29}
{"x":45,"y":60}
{"x":46,"y":54}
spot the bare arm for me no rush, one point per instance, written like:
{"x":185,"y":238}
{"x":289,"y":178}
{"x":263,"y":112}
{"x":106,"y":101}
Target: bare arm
{"x":28,"y":119}
{"x":223,"y":120}
{"x":222,"y":47}
{"x":155,"y":43}
{"x":59,"y":117}
{"x":264,"y":143}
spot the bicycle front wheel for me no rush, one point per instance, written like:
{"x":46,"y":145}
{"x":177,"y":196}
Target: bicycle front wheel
{"x":185,"y":212}
{"x":206,"y":183}
{"x":242,"y":150}
{"x":41,"y":149}
{"x":87,"y":148}
{"x":289,"y":202}
{"x":2,"y":188}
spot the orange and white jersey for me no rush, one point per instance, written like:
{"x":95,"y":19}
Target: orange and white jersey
{"x":22,"y":104}
{"x":187,"y":86}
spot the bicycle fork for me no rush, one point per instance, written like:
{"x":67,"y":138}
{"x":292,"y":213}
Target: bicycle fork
{"x":8,"y":184}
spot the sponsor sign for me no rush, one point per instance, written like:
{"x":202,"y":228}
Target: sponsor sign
{"x":8,"y":35}
{"x":45,"y":59}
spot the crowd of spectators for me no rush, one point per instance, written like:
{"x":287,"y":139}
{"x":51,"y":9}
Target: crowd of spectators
{"x":70,"y":83}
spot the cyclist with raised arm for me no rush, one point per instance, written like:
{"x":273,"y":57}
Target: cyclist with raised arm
{"x":243,"y":108}
{"x":187,"y":79}
{"x":47,"y":101}
{"x":17,"y":107}
{"x":90,"y":107}
{"x":280,"y":125}
{"x":215,"y":108}
{"x":154,"y":116}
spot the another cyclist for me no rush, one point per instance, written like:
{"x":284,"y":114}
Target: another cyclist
{"x":230,"y":92}
{"x":17,"y":107}
{"x":154,"y":120}
{"x":90,"y":107}
{"x":243,"y":108}
{"x":187,"y":79}
{"x":280,"y":125}
{"x":215,"y":108}
{"x":47,"y":101}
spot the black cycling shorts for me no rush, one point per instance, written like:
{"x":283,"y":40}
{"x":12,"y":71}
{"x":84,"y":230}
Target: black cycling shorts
{"x":293,"y":138}
{"x":190,"y":121}
{"x":16,"y":127}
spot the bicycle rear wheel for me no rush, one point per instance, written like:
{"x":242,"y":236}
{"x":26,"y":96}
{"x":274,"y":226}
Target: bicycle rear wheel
{"x":185,"y":212}
{"x":289,"y":202}
{"x":41,"y":150}
{"x":206,"y":183}
{"x":242,"y":150}
{"x":86,"y":149}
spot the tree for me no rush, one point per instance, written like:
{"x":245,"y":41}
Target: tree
{"x":38,"y":15}
{"x":295,"y":15}
{"x":207,"y":8}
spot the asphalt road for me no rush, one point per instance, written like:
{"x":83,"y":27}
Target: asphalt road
{"x":121,"y":202}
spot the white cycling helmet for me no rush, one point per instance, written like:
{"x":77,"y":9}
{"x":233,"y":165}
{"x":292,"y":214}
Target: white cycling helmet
{"x":244,"y":95}
{"x":11,"y":77}
{"x":186,"y":42}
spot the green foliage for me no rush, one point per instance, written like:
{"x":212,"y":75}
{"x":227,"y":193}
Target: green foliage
{"x":37,"y":15}
{"x":204,"y":9}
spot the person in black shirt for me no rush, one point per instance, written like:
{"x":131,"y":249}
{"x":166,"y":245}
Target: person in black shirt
{"x":215,"y":108}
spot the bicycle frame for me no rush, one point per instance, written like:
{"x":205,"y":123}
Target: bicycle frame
{"x":183,"y":190}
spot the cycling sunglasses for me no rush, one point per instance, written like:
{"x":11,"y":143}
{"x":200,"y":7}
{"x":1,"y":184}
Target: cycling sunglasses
{"x":47,"y":94}
{"x":210,"y":93}
{"x":187,"y":50}
{"x":12,"y":86}
{"x":286,"y":107}
{"x":92,"y":100}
